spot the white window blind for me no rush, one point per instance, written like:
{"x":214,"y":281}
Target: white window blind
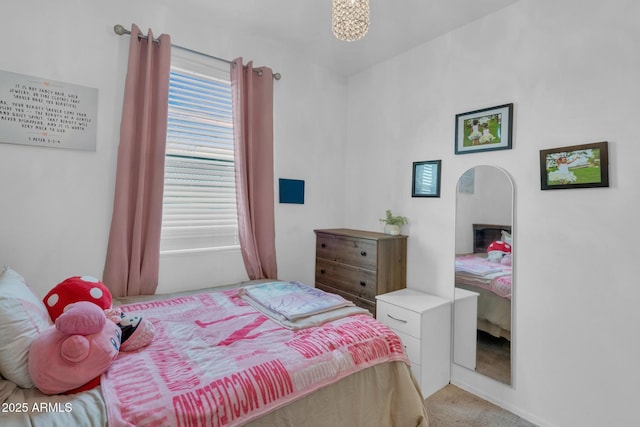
{"x":428,"y":181}
{"x":199,"y":203}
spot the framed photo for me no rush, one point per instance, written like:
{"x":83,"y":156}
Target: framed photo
{"x":484,"y":130}
{"x":426,"y":179}
{"x":576,"y":166}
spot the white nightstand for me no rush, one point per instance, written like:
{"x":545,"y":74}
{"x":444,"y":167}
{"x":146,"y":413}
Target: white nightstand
{"x":423,"y":323}
{"x":465,"y":328}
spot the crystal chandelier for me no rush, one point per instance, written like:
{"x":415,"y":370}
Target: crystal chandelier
{"x":350,"y":19}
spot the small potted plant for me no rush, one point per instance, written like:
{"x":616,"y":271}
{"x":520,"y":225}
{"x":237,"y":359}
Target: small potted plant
{"x":393,"y":223}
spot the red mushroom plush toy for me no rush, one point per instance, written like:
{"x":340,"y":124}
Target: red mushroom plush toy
{"x":76,"y":289}
{"x":136,"y":332}
{"x":498,"y":250}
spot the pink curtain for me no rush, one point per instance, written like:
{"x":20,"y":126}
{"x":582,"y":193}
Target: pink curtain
{"x":252,"y":91}
{"x":132,"y":261}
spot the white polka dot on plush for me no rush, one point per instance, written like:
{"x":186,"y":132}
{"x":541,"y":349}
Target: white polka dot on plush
{"x":52,"y":300}
{"x":90,"y":279}
{"x":96,"y":293}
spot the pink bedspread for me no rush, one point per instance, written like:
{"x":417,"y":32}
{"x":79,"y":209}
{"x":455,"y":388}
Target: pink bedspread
{"x":216,"y":361}
{"x":476,"y":270}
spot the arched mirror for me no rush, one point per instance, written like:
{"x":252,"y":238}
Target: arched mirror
{"x":484,"y":283}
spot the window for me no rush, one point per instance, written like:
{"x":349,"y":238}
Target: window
{"x":199,"y":202}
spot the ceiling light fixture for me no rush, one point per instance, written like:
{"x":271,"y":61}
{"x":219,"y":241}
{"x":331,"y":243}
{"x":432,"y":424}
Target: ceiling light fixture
{"x":350,"y":19}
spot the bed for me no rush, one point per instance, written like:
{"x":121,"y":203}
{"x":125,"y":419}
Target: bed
{"x":491,"y":280}
{"x":217,"y":360}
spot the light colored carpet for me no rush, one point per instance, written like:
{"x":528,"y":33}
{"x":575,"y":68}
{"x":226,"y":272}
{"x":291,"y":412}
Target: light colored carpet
{"x":453,"y":407}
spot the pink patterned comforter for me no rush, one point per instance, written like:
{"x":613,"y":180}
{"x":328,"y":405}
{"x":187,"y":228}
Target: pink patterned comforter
{"x":216,"y":361}
{"x":476,"y":270}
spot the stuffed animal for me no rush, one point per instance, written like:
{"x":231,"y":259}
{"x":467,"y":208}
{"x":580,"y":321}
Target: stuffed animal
{"x":71,"y":355}
{"x":75,"y":289}
{"x":497,"y":250}
{"x":137,"y":332}
{"x":506,"y":260}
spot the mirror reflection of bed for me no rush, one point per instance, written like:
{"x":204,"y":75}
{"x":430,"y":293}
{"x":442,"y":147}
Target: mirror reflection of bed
{"x":483,"y":274}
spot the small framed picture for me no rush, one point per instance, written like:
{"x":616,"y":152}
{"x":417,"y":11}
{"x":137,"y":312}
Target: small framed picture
{"x":426,"y":179}
{"x":576,"y":166}
{"x":484,"y":130}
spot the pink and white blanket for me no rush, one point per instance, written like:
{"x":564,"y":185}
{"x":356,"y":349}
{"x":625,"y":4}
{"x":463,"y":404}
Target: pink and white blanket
{"x":477,"y":270}
{"x":293,"y":300}
{"x":217,"y":361}
{"x":298,"y":306}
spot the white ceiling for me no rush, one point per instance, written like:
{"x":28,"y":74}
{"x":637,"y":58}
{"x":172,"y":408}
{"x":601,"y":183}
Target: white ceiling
{"x":395,"y":25}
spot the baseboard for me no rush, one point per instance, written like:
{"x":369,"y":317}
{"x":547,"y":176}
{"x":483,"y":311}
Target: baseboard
{"x":503,"y":404}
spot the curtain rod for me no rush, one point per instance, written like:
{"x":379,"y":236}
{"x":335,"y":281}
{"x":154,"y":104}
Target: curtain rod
{"x":121,"y":31}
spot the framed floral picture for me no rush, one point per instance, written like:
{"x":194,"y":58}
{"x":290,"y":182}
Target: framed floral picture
{"x":576,"y":166}
{"x":484,"y":130}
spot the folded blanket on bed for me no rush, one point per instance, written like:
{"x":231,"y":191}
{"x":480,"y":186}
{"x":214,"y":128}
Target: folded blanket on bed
{"x":477,"y":265}
{"x":292,"y":300}
{"x":309,"y":321}
{"x":476,"y":270}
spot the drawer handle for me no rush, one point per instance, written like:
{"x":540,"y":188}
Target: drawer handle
{"x":363,"y":283}
{"x":323,"y":245}
{"x":363,"y":253}
{"x":395,"y":318}
{"x":322,"y":271}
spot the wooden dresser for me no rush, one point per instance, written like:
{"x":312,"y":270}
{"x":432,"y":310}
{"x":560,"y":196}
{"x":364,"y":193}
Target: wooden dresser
{"x":360,"y":264}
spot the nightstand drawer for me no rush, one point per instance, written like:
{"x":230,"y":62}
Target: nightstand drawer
{"x":398,"y":318}
{"x":411,"y":346}
{"x":347,"y":250}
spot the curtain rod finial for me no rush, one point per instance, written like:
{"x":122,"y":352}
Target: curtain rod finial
{"x":120,"y":30}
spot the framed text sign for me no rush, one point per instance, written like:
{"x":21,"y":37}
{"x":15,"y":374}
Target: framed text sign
{"x":47,"y":113}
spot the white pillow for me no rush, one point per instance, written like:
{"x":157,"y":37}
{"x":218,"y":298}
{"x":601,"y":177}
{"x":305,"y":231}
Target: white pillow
{"x":6,"y":388}
{"x":22,"y":317}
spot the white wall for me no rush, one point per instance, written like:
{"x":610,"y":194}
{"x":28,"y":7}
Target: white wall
{"x":56,"y":204}
{"x":571,"y":68}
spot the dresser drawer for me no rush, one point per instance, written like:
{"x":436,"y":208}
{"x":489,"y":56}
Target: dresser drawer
{"x":358,"y":301}
{"x":347,"y":250}
{"x":398,"y":318}
{"x":411,"y":346}
{"x":348,"y":278}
